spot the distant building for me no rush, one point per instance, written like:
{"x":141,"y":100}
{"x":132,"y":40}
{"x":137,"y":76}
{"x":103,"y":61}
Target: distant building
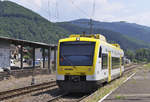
{"x":127,"y":61}
{"x":38,"y":53}
{"x":13,"y":51}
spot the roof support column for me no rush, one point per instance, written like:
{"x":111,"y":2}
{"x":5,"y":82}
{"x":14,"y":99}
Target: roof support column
{"x":55,"y":55}
{"x":21,"y":61}
{"x":33,"y":53}
{"x":49,"y":60}
{"x":33,"y":63}
{"x":43,"y":57}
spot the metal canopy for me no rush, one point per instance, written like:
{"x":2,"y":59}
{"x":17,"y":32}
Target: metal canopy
{"x":27,"y":43}
{"x":34,"y":45}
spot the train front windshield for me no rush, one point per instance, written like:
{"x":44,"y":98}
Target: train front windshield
{"x":76,"y":53}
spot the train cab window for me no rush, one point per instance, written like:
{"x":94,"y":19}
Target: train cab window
{"x":100,"y":52}
{"x":79,"y":53}
{"x":115,"y":62}
{"x":104,"y":61}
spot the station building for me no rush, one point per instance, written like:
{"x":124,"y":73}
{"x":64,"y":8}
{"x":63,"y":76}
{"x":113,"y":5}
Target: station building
{"x":46,"y":53}
{"x":4,"y":54}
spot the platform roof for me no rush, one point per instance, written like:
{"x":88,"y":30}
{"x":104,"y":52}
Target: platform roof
{"x":27,"y":43}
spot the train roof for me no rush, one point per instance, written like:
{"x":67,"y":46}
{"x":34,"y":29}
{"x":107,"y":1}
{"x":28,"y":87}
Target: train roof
{"x":92,"y":37}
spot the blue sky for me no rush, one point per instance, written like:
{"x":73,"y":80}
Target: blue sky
{"x":133,"y":11}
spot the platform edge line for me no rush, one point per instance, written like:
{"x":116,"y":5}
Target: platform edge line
{"x":116,"y":88}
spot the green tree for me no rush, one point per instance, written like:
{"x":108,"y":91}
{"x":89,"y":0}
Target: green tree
{"x":130,"y":54}
{"x":143,"y":54}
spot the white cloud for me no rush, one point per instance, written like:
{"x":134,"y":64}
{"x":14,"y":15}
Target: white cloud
{"x":34,"y":5}
{"x":106,"y":10}
{"x":140,"y":18}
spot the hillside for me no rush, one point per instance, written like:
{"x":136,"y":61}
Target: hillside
{"x":113,"y":37}
{"x":19,"y":22}
{"x":129,"y":29}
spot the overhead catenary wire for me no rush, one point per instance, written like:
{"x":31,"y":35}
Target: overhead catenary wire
{"x":91,"y":17}
{"x":56,"y":15}
{"x":46,"y":10}
{"x":81,"y":10}
{"x":49,"y":11}
{"x":56,"y":10}
{"x":93,"y":9}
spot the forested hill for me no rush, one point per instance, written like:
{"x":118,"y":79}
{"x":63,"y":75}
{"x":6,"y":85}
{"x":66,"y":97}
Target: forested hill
{"x":111,"y":36}
{"x":19,"y":22}
{"x":129,"y":29}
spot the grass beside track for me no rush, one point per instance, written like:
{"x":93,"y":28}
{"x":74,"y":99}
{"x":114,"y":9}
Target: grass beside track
{"x":147,"y":66}
{"x":101,"y":92}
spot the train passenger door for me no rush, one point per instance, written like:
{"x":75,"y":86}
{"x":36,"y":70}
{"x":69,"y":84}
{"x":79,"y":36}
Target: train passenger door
{"x":109,"y":66}
{"x":99,"y":60}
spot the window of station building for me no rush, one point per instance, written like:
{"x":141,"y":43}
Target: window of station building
{"x":104,"y":61}
{"x":115,"y":62}
{"x":100,"y":52}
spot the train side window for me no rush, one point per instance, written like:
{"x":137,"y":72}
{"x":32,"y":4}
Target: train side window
{"x":115,"y":62}
{"x":104,"y":61}
{"x":100,"y":52}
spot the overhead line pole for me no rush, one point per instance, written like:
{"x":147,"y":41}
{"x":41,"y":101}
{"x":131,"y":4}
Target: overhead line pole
{"x":92,"y":15}
{"x":91,"y":26}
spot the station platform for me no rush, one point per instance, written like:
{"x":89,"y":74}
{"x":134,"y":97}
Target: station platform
{"x":136,"y":89}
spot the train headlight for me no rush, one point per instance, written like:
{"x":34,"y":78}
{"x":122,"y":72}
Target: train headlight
{"x":78,"y":39}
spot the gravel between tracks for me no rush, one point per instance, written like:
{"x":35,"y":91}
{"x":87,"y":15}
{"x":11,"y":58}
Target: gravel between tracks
{"x":14,"y":83}
{"x":40,"y":96}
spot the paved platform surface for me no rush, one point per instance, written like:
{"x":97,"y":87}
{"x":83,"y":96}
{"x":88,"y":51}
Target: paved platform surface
{"x":136,"y":89}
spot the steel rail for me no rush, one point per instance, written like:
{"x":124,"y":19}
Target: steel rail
{"x":22,"y":91}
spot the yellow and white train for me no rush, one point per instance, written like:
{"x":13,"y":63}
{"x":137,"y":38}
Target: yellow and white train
{"x":86,"y":61}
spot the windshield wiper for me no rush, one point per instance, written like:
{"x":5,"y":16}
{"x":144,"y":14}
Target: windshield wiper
{"x":68,"y":61}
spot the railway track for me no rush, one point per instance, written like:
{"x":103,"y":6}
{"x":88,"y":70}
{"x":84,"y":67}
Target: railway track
{"x":22,"y":91}
{"x":25,"y":90}
{"x":67,"y":96}
{"x":57,"y":97}
{"x":129,"y":68}
{"x":64,"y":97}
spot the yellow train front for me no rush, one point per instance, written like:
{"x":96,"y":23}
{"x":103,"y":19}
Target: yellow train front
{"x":86,"y":61}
